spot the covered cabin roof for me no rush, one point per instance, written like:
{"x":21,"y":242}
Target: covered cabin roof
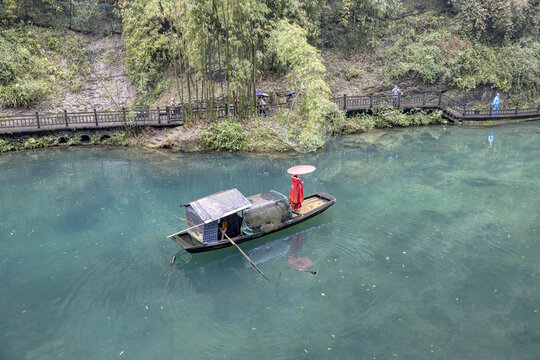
{"x":218,"y":205}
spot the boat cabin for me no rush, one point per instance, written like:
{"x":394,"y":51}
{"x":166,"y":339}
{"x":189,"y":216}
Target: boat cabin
{"x":231,"y":213}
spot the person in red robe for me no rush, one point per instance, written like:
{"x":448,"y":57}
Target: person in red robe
{"x":296,"y":196}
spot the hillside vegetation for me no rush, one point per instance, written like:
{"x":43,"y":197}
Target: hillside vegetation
{"x":30,"y":63}
{"x":227,"y":50}
{"x":459,"y":45}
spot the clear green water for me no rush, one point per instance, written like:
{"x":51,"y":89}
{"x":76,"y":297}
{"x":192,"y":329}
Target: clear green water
{"x":431,"y":251}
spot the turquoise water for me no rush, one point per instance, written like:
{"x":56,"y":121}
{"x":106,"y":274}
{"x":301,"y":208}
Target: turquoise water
{"x":431,"y":251}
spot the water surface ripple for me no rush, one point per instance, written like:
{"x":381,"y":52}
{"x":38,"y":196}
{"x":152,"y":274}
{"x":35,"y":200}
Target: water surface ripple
{"x":431,"y":251}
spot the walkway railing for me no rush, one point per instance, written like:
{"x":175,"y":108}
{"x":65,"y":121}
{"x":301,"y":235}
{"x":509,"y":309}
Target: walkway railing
{"x":452,"y":109}
{"x":141,"y":116}
{"x":174,"y":116}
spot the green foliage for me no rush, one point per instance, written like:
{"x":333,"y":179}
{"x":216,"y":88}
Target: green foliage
{"x":85,"y":16}
{"x":497,"y":19}
{"x":423,"y":54}
{"x":74,"y":49}
{"x":19,"y":52}
{"x":27,"y":62}
{"x":7,"y":145}
{"x":312,"y":118}
{"x":361,"y":19}
{"x":224,"y":135}
{"x":41,"y":142}
{"x":439,"y":55}
{"x":30,"y":143}
{"x":263,"y":138}
{"x":117,"y":138}
{"x":511,"y":68}
{"x":305,"y":13}
{"x":203,"y":38}
{"x":147,"y":43}
{"x":74,"y":140}
{"x":22,"y":95}
{"x":14,"y":8}
{"x":379,"y":119}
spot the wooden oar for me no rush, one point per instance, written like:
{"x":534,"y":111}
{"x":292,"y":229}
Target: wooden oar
{"x":232,"y":242}
{"x":243,"y":253}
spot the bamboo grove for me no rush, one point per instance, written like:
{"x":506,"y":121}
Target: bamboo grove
{"x":216,"y":48}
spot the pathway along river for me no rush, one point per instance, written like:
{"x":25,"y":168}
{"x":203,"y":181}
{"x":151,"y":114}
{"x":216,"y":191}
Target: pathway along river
{"x":431,"y":251}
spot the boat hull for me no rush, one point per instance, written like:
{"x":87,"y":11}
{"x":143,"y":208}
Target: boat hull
{"x":313,"y":205}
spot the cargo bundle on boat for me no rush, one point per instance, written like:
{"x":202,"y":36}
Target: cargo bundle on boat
{"x":210,"y":220}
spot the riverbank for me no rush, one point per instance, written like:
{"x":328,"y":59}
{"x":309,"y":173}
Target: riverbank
{"x":256,"y":134}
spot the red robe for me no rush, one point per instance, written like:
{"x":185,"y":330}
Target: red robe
{"x":296,"y":196}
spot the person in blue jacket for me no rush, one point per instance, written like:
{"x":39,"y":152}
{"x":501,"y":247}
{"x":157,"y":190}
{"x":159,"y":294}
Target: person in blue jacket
{"x":495,"y":104}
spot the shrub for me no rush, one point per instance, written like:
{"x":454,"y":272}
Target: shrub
{"x":117,"y":138}
{"x":53,"y":43}
{"x":225,"y":135}
{"x":495,"y":19}
{"x":6,"y":146}
{"x":22,"y":95}
{"x":313,"y":117}
{"x":7,"y":64}
{"x":390,"y":118}
{"x":264,"y":138}
{"x":30,"y":143}
{"x":27,"y":71}
{"x":74,"y":140}
{"x":421,"y":54}
{"x":511,"y":68}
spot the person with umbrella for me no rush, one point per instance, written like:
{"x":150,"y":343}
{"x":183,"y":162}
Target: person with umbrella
{"x":263,"y":99}
{"x":296,"y":195}
{"x":289,"y":96}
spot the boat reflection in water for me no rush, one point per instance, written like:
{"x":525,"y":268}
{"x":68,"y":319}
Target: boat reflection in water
{"x":287,"y":247}
{"x":207,"y":273}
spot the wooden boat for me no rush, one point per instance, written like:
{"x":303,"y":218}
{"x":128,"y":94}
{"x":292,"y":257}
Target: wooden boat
{"x":242,"y":219}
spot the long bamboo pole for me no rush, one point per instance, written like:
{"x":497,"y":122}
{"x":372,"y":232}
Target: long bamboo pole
{"x":232,"y":242}
{"x":185,"y":230}
{"x":243,"y":253}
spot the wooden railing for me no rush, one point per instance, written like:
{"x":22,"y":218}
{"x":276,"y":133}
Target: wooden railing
{"x":141,"y":116}
{"x":174,"y":116}
{"x":452,"y":109}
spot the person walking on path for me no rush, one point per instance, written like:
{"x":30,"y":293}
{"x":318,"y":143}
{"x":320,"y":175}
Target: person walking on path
{"x":264,"y":101}
{"x":495,"y":103}
{"x":174,"y":109}
{"x":396,"y":93}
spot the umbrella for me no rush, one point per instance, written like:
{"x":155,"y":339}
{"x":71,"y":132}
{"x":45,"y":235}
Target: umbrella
{"x":262,"y":94}
{"x":301,"y":169}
